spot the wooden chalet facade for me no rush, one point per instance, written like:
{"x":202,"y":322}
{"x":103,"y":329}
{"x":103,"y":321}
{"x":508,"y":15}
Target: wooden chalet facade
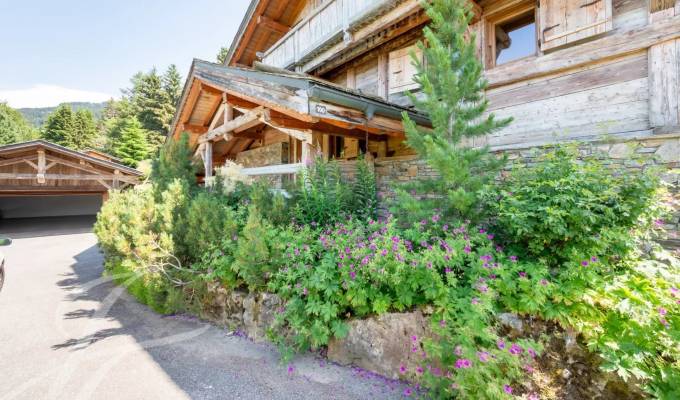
{"x":330,"y":76}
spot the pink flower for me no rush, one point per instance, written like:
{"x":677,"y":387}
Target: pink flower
{"x":442,"y":323}
{"x":533,"y":396}
{"x":408,"y":392}
{"x":352,"y":274}
{"x":475,"y":301}
{"x":593,"y":259}
{"x":435,"y":218}
{"x":584,"y":263}
{"x":529,"y":369}
{"x":402,"y":369}
{"x":467,"y":249}
{"x":500,"y":344}
{"x":544,"y":282}
{"x":522,"y":274}
{"x":662,"y":311}
{"x":483,"y":356}
{"x":420,"y":370}
{"x":513,"y":258}
{"x":291,"y":369}
{"x":458,"y":350}
{"x":463,"y":363}
{"x":414,"y":338}
{"x":515,"y":349}
{"x":532,"y":352}
{"x":490,"y":237}
{"x":507,"y":389}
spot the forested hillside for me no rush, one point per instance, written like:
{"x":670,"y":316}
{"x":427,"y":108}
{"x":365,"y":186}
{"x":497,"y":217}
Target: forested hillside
{"x":38,"y":116}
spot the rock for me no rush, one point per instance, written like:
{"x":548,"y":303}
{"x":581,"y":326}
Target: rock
{"x":222,"y":306}
{"x":512,"y":322}
{"x":259,"y":312}
{"x":382,"y":344}
{"x":669,"y":151}
{"x":621,"y":150}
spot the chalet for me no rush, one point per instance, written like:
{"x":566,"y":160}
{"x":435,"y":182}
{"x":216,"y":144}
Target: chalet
{"x":329,"y":76}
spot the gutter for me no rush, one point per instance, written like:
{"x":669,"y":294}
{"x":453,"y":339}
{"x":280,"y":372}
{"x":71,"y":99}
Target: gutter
{"x":368,"y":105}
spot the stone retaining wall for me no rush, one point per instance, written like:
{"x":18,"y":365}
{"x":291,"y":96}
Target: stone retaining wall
{"x":652,"y":151}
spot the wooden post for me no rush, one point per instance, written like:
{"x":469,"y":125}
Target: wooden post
{"x":41,"y":166}
{"x":116,"y":182}
{"x":105,"y":197}
{"x":307,"y":153}
{"x":208,"y":159}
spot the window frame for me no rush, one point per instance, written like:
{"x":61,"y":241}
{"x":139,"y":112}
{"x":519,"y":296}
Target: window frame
{"x":503,"y":17}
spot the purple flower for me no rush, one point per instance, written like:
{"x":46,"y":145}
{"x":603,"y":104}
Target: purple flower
{"x":445,"y":228}
{"x":544,"y":282}
{"x":522,"y":274}
{"x":674,"y":291}
{"x":500,"y":344}
{"x":291,"y":369}
{"x":420,"y":370}
{"x":414,"y":338}
{"x":507,"y":389}
{"x":529,"y":369}
{"x":486,"y":257}
{"x":483,"y":356}
{"x":515,"y":349}
{"x":532,"y":352}
{"x":513,"y":258}
{"x":662,"y":311}
{"x":463,"y":363}
{"x":483,"y":288}
{"x":482,"y":231}
{"x":467,"y":249}
{"x":408,"y":392}
{"x":442,"y":323}
{"x":458,"y":350}
{"x":584,"y":263}
{"x":365,"y":260}
{"x":475,"y":301}
{"x":490,"y":237}
{"x":352,"y":274}
{"x":435,"y":218}
{"x":297,"y":252}
{"x":402,"y":369}
{"x":383,"y":253}
{"x":593,"y":259}
{"x":304,"y":291}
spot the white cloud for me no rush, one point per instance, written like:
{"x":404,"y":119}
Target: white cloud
{"x":49,"y":96}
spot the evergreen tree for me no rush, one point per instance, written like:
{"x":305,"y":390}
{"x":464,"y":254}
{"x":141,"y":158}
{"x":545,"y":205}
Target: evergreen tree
{"x":131,"y":147}
{"x":222,"y":55}
{"x":84,"y":130}
{"x":13,"y":126}
{"x":59,"y":127}
{"x":172,"y":84}
{"x":175,"y":161}
{"x":451,"y":80}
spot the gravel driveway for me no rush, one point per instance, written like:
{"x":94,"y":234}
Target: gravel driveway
{"x":68,"y":333}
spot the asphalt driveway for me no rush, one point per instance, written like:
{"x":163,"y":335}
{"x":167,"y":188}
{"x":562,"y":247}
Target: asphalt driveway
{"x":68,"y":333}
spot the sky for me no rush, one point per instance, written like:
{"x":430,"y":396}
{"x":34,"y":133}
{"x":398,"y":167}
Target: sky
{"x":54,"y":51}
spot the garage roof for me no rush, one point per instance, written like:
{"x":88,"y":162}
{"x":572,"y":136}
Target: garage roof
{"x":41,"y":167}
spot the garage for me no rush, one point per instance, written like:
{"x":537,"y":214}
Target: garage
{"x":39,"y":179}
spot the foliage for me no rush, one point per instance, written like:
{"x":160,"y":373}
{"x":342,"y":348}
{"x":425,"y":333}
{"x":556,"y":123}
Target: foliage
{"x":36,"y":117}
{"x":222,"y":55}
{"x":583,"y":226}
{"x":321,"y":195}
{"x":570,"y":207}
{"x":364,"y":202}
{"x":132,"y":146}
{"x":258,"y":251}
{"x":13,"y":126}
{"x":174,"y":162}
{"x":451,"y":80}
{"x":74,"y":130}
{"x":208,"y":221}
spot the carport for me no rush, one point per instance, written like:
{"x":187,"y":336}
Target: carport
{"x":43,"y":179}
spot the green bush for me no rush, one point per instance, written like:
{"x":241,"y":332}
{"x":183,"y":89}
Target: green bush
{"x":208,"y":221}
{"x":565,"y":207}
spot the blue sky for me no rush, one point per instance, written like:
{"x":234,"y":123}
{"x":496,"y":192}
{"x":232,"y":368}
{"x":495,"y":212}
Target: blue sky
{"x":86,"y":50}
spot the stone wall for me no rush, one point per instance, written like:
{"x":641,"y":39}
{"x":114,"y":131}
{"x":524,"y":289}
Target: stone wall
{"x":652,"y":151}
{"x":273,"y":154}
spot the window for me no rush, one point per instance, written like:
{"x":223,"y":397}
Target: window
{"x":516,"y":38}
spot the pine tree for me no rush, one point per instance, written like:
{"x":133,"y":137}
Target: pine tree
{"x":13,"y":126}
{"x":450,"y":76}
{"x":131,"y":147}
{"x":222,"y":55}
{"x":84,"y":130}
{"x":172,"y":85}
{"x":175,"y":161}
{"x":59,"y":127}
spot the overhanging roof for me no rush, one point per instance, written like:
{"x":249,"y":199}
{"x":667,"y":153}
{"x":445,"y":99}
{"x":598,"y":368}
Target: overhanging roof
{"x":298,"y":95}
{"x":7,"y":150}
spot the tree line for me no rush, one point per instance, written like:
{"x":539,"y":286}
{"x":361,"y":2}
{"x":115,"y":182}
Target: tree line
{"x":131,"y":129}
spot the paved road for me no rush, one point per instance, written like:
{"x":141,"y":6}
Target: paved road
{"x":66,"y":333}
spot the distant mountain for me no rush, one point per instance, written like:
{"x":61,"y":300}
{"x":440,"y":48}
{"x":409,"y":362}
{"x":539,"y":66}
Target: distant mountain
{"x":37,"y":116}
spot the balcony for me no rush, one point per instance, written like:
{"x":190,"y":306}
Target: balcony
{"x":328,"y":24}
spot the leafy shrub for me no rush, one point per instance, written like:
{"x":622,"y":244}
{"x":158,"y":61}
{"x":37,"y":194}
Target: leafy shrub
{"x":208,"y":220}
{"x":357,"y":270}
{"x":583,"y":225}
{"x":175,"y":161}
{"x":321,"y":196}
{"x":565,"y":207}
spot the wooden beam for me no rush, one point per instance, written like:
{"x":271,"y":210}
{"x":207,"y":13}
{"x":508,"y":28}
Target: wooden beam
{"x":304,"y":135}
{"x":208,"y":159}
{"x":71,"y":164}
{"x":272,"y":25}
{"x":17,"y":160}
{"x":248,"y":33}
{"x":109,"y":177}
{"x":239,"y":124}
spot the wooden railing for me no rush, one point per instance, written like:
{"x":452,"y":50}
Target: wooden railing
{"x":282,"y":169}
{"x":329,"y":23}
